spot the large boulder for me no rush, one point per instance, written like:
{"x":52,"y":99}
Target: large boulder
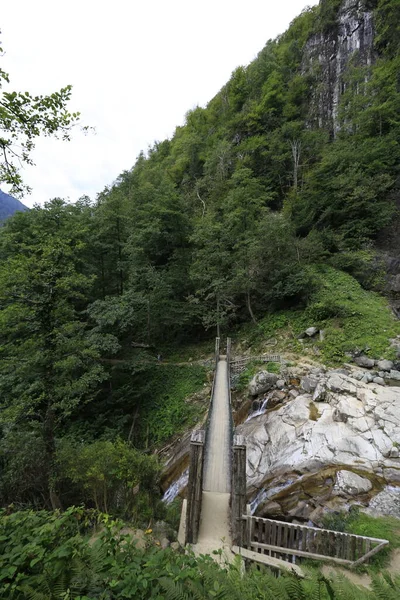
{"x":311,"y":331}
{"x":262,"y":382}
{"x":309,"y":384}
{"x":384,"y":365}
{"x":294,"y":453}
{"x":351,"y":484}
{"x":364,"y":361}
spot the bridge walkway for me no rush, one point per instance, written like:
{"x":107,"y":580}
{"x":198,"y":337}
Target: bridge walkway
{"x":214,"y":531}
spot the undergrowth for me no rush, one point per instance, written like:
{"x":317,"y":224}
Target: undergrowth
{"x":166,"y":410}
{"x":352,"y":319}
{"x":46,"y":556}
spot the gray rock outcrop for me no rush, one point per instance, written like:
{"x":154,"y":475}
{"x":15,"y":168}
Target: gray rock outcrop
{"x":262,"y":382}
{"x":327,"y":56}
{"x":384,"y":365}
{"x":364,"y":361}
{"x":295,"y":455}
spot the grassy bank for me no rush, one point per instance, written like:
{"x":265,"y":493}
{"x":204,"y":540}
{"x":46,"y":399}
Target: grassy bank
{"x":351,"y":317}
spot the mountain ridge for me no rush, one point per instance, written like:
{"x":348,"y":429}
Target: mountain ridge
{"x":10,"y":205}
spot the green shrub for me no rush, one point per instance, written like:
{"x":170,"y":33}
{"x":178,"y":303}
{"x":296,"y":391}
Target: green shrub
{"x":112,"y":476}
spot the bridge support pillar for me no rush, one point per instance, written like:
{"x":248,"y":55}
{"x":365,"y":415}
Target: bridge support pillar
{"x":238,"y":494}
{"x":195,"y":486}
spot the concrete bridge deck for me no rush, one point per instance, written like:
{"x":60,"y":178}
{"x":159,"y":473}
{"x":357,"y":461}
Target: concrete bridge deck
{"x":214,"y":531}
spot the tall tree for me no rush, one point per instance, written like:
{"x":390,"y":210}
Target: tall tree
{"x":49,"y":364}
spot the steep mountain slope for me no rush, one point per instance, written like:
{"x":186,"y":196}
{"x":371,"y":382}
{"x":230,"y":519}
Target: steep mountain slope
{"x":9,"y":205}
{"x":295,"y":161}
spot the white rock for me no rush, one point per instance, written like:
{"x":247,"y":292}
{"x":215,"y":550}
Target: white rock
{"x":351,"y":484}
{"x":311,"y":331}
{"x":358,"y":429}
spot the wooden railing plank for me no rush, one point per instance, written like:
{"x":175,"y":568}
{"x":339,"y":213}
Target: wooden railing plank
{"x":267,"y":560}
{"x":370,"y":553}
{"x":278,"y":538}
{"x":340,"y":561}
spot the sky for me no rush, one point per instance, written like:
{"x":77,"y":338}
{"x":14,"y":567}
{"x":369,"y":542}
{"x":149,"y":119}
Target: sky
{"x":136,"y":68}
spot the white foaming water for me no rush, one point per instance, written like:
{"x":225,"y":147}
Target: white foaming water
{"x":264,"y":494}
{"x":258,"y":412}
{"x":175,"y":487}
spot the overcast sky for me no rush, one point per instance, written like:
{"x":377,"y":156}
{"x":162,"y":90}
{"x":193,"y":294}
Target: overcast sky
{"x":136,"y":68}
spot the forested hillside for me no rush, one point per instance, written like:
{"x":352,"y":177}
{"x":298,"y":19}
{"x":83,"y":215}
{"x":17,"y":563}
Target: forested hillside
{"x":225,"y":223}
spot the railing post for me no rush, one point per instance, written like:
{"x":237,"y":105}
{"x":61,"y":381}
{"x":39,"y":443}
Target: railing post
{"x":195,"y":485}
{"x":216,"y":351}
{"x":238,"y":494}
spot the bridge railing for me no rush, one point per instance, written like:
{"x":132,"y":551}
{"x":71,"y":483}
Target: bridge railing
{"x":288,"y":541}
{"x":239,"y":363}
{"x":196,"y":467}
{"x":228,"y":375}
{"x":195,"y":486}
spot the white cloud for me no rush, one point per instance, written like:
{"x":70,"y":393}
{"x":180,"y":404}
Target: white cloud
{"x":136,"y":68}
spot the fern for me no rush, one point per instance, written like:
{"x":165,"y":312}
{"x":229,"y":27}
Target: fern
{"x":385,"y":588}
{"x":174,"y":590}
{"x":294,"y":588}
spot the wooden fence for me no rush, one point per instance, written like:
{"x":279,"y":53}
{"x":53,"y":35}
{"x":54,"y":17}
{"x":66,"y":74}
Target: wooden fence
{"x":287,"y":541}
{"x":239,"y":363}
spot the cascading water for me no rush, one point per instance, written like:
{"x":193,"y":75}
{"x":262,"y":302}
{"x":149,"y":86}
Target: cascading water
{"x":264,"y":494}
{"x":176,"y":487}
{"x":258,"y":412}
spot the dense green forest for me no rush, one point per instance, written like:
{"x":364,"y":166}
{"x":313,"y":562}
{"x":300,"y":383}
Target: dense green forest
{"x":226,"y":223}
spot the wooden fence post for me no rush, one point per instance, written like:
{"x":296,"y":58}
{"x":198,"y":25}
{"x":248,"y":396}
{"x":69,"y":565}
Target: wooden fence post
{"x":195,"y":485}
{"x":238,"y":494}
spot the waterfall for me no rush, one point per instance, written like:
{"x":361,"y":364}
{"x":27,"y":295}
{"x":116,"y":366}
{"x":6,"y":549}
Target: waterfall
{"x":258,"y":412}
{"x":176,"y":487}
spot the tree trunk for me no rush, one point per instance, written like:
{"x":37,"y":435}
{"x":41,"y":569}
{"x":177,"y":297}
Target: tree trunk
{"x":248,"y":303}
{"x":50,"y":447}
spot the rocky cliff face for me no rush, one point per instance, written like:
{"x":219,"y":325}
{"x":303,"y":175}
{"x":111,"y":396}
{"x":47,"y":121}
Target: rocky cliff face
{"x":328,"y":56}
